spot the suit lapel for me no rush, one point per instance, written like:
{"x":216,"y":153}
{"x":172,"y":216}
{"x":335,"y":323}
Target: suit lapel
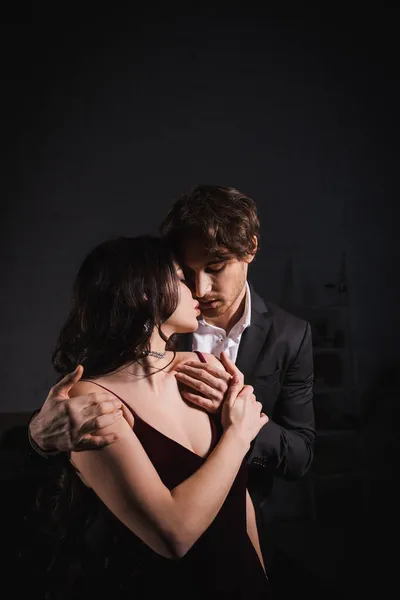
{"x":253,"y":338}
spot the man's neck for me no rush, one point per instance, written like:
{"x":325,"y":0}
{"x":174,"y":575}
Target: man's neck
{"x":229,"y":318}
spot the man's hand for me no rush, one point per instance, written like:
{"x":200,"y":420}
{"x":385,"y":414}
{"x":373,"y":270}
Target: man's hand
{"x":67,"y":424}
{"x":203,"y":384}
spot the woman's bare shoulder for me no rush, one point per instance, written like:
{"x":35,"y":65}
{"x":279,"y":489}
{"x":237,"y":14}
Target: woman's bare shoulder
{"x":84,"y":388}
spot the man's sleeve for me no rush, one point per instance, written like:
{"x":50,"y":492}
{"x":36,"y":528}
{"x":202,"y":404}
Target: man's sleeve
{"x":33,"y":445}
{"x":284,"y":445}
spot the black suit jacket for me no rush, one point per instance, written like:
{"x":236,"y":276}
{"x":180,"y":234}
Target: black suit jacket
{"x":275,"y":356}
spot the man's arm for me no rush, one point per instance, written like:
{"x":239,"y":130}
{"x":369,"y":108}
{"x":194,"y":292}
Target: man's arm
{"x":285,"y":445}
{"x":32,"y":441}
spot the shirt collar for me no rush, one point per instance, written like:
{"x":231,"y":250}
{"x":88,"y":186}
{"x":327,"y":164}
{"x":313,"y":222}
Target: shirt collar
{"x":247,"y":308}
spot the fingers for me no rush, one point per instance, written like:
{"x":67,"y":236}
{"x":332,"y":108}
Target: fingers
{"x":208,"y":405}
{"x":235,"y":390}
{"x":236,"y":384}
{"x":97,"y":404}
{"x":263,"y":420}
{"x":91,"y":426}
{"x":202,"y":387}
{"x":247,"y":390}
{"x":62,"y":388}
{"x":198,"y":376}
{"x":204,"y":371}
{"x":87,"y":415}
{"x":231,"y":368}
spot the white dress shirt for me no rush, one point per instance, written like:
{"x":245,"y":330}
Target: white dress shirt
{"x":212,"y":339}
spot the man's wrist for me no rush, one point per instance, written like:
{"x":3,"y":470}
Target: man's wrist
{"x":34,"y":445}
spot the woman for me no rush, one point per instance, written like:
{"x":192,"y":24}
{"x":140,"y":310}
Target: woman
{"x":175,"y":508}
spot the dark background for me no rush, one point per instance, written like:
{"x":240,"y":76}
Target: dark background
{"x":104,"y":126}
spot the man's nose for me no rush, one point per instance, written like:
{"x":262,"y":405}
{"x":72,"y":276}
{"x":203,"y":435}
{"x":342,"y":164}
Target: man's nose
{"x":202,"y":285}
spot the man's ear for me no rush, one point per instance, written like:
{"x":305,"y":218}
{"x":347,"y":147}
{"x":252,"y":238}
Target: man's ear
{"x":250,"y":257}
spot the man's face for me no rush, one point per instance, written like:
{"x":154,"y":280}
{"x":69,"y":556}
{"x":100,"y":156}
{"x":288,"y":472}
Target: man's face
{"x":216,"y":281}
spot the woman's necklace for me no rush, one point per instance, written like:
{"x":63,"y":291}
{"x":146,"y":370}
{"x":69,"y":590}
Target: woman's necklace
{"x":156,"y":354}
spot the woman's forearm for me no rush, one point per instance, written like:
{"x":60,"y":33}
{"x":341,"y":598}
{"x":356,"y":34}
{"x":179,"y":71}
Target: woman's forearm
{"x":199,"y":499}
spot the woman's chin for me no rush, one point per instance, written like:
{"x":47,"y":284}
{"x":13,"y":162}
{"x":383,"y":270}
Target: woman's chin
{"x":188,"y":327}
{"x":195,"y":326}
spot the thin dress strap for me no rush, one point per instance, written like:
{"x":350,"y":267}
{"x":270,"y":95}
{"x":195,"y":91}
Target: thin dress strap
{"x":201,"y":356}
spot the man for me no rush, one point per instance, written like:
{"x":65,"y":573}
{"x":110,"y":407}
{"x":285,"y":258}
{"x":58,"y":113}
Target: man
{"x":214,"y":232}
